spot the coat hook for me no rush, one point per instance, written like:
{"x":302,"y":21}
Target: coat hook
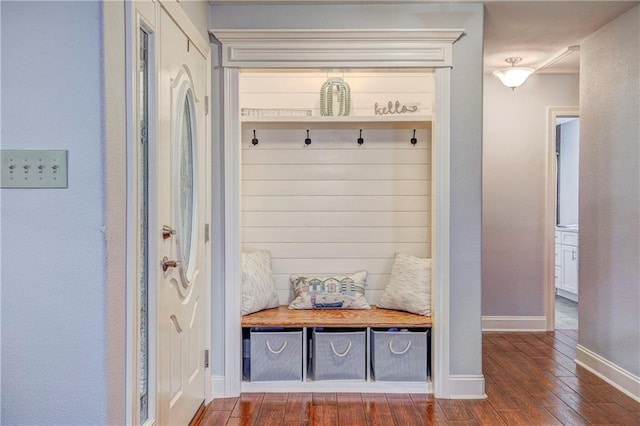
{"x":360,"y":140}
{"x":413,"y":139}
{"x":254,"y":141}
{"x":307,"y":141}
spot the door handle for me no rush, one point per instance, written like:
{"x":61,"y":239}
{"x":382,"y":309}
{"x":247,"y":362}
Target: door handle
{"x":573,"y":255}
{"x":167,"y":232}
{"x":166,"y":263}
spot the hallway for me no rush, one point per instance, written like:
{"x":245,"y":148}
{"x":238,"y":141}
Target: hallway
{"x":530,"y":379}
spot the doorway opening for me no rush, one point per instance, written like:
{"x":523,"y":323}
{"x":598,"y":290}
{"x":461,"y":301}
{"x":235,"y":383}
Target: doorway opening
{"x":564,"y":126}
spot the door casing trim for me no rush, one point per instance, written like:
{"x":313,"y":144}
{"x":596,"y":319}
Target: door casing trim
{"x":255,"y":50}
{"x":553,"y":112}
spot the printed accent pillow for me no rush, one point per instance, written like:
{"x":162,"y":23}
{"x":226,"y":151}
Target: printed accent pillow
{"x":258,"y":288}
{"x":409,"y":286}
{"x":337,"y":292}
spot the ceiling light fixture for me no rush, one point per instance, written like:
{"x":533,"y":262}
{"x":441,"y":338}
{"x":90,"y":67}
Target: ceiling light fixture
{"x":513,"y":76}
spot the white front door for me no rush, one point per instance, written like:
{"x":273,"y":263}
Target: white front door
{"x":182,"y":199}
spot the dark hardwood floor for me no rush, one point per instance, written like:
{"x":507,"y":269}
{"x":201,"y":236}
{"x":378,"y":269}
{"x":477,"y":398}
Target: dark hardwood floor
{"x":531,"y":379}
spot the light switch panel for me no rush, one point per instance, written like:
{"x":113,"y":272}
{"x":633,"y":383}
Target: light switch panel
{"x":33,"y":168}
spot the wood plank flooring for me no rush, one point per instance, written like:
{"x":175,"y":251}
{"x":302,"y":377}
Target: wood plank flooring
{"x":531,"y":379}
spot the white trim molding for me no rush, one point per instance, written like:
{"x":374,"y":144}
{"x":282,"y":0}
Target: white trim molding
{"x":217,"y":387}
{"x":114,"y":131}
{"x":441,"y":232}
{"x":521,"y":323}
{"x":553,"y":112}
{"x":611,"y":373}
{"x":330,"y":386}
{"x":324,"y":49}
{"x":467,"y":387}
{"x":232,"y":269}
{"x":337,"y":48}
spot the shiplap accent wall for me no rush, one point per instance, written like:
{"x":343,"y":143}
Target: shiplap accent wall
{"x":333,"y":206}
{"x":302,"y":90}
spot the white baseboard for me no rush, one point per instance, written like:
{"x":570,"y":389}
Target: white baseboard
{"x":567,"y":295}
{"x":514,"y":323}
{"x":466,"y":387}
{"x":217,"y":387}
{"x":356,"y":386}
{"x":617,"y":377}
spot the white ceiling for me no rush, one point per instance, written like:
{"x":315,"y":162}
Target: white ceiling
{"x":542,"y":33}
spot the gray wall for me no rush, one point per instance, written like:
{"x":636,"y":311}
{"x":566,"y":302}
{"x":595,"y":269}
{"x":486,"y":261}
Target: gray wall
{"x":515,"y":140}
{"x":466,"y":141}
{"x":53,"y":246}
{"x":609,"y":262}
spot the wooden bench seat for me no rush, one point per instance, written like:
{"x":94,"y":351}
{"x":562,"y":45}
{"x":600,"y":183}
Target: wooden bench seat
{"x":282,"y":316}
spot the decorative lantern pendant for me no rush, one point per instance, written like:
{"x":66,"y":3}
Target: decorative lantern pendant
{"x":343,"y":92}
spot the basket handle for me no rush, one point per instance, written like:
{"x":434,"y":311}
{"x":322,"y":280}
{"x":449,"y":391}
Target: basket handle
{"x":399,"y":352}
{"x":277,"y":351}
{"x":333,"y":348}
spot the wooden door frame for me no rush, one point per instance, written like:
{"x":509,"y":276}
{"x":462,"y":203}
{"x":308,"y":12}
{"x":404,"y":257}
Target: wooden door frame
{"x":553,"y":112}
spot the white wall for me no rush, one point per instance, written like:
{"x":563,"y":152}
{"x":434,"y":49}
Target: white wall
{"x":288,"y":89}
{"x":53,"y":245}
{"x":568,"y":172}
{"x":335,"y":207}
{"x":514,"y":155}
{"x":610,"y":192}
{"x":466,"y":141}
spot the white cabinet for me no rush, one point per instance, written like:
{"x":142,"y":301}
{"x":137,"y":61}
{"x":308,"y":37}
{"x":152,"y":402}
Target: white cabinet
{"x":570,"y":269}
{"x":566,"y":264}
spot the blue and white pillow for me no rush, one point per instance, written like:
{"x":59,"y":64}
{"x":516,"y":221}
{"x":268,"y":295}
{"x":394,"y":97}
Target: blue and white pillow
{"x":329,"y":292}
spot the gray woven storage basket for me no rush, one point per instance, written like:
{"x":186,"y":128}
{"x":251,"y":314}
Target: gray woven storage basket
{"x":399,"y":356}
{"x":339,"y":355}
{"x":276,"y":355}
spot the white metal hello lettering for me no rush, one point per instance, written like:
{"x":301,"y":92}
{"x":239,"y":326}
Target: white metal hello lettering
{"x":395,"y":108}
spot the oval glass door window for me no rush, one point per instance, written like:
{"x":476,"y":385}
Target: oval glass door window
{"x":186,"y":187}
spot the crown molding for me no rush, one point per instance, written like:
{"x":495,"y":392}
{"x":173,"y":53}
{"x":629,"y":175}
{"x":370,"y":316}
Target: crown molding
{"x":353,"y":48}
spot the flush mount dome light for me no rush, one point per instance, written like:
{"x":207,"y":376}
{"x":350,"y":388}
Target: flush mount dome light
{"x":513,"y":76}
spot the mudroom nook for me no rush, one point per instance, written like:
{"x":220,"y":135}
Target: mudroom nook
{"x":333,"y":183}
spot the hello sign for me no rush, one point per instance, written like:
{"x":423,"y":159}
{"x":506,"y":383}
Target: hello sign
{"x":395,"y":108}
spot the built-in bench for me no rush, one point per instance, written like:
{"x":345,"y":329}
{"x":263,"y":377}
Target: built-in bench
{"x":287,"y":345}
{"x":282,"y":316}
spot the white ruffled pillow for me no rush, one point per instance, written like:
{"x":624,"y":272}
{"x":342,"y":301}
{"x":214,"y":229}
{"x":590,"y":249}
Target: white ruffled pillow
{"x":409,"y":286}
{"x":335,"y":292}
{"x":258,"y":288}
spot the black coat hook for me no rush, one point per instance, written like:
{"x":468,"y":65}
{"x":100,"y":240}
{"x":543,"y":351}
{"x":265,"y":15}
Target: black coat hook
{"x":413,"y":139}
{"x":307,"y":141}
{"x":254,"y":141}
{"x":360,"y":140}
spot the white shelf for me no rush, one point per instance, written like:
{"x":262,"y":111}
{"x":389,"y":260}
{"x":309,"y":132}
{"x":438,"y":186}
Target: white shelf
{"x":386,"y":121}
